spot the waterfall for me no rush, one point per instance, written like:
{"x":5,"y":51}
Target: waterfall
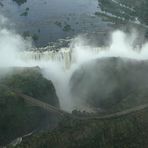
{"x":64,"y":55}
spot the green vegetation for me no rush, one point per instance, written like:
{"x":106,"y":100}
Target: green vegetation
{"x":67,"y":28}
{"x":25,"y":13}
{"x":59,"y":24}
{"x":27,"y":9}
{"x":20,"y":2}
{"x":17,"y":116}
{"x":130,"y":131}
{"x":1,"y":4}
{"x":34,"y":36}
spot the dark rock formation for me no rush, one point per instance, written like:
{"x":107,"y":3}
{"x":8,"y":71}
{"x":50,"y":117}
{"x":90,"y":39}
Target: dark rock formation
{"x":111,"y":83}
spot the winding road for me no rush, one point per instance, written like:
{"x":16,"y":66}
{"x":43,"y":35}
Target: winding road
{"x":50,"y":108}
{"x":58,"y":111}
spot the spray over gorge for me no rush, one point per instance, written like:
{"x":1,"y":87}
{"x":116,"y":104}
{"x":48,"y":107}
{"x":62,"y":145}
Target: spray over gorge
{"x":60,"y":65}
{"x":73,"y":78}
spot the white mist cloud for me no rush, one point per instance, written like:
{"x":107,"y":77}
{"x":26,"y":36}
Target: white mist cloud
{"x":82,"y":52}
{"x":11,"y":44}
{"x":3,"y":21}
{"x":124,"y":45}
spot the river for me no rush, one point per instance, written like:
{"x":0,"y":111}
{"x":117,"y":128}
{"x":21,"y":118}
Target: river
{"x":49,"y":20}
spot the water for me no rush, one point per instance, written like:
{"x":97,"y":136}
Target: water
{"x":63,"y":55}
{"x":49,"y":20}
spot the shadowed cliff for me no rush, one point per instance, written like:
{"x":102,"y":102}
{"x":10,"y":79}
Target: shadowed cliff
{"x":110,"y":83}
{"x":17,"y":116}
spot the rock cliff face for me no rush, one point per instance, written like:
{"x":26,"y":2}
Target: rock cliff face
{"x":111,"y":83}
{"x":18,"y":117}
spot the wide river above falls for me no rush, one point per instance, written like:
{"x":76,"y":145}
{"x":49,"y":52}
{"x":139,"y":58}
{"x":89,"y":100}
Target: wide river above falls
{"x":49,"y":20}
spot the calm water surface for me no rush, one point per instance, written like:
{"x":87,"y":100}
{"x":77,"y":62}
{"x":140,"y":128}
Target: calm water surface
{"x":50,"y":20}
